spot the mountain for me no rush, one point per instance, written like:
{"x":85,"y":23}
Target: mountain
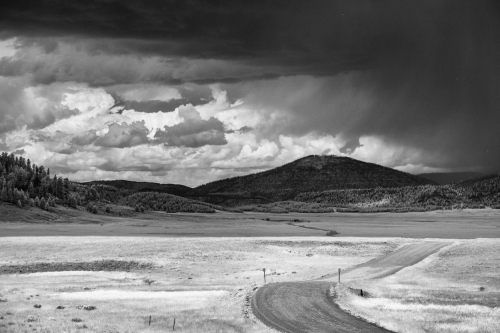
{"x":443,"y":178}
{"x":174,"y":189}
{"x":311,"y":173}
{"x":479,"y":181}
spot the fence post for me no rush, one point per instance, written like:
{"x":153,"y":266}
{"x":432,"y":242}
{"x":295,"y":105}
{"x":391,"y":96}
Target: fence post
{"x":173,"y":327}
{"x":149,"y":320}
{"x":264,"y":270}
{"x":339,"y":275}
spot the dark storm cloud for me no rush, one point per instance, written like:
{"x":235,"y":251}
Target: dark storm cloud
{"x":153,"y":106}
{"x":320,"y":37}
{"x":422,"y":74}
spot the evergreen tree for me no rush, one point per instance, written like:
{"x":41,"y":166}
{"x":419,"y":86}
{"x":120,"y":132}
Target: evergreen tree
{"x":19,"y":204}
{"x":37,"y":202}
{"x":54,"y":186}
{"x":66,"y":186}
{"x":31,"y":190}
{"x":10,"y":195}
{"x":60,"y":188}
{"x":42,"y":203}
{"x":4,"y":196}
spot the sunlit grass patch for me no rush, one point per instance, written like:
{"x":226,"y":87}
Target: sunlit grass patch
{"x":435,"y":295}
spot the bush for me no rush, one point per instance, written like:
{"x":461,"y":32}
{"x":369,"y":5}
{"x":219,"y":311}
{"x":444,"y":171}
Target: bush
{"x":19,"y":204}
{"x":42,"y":203}
{"x":142,"y":209}
{"x":94,"y":209}
{"x":108,"y":209}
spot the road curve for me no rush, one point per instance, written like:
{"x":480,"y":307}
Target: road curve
{"x":300,"y":307}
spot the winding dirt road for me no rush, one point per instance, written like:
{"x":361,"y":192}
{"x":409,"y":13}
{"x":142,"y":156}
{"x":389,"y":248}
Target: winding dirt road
{"x":299,"y":307}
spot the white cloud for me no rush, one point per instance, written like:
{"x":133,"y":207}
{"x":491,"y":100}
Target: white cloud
{"x":7,"y":47}
{"x":106,"y":138}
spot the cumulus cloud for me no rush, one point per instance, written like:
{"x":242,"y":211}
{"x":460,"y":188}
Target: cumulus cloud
{"x":124,"y":135}
{"x":193,"y":132}
{"x":192,"y":93}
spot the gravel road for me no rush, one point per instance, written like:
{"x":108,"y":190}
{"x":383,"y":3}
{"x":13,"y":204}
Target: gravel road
{"x":299,"y":307}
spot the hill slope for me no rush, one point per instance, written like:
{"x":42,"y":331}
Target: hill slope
{"x":443,"y":178}
{"x":144,"y":186}
{"x":311,"y":173}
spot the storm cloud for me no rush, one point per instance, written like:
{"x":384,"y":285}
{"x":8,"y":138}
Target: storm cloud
{"x":408,"y":84}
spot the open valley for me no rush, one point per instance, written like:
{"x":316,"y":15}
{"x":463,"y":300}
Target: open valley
{"x":203,"y":269}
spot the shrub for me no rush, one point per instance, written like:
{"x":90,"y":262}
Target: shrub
{"x":108,"y":209}
{"x":42,"y":203}
{"x":19,"y":204}
{"x":94,"y":209}
{"x":37,"y":202}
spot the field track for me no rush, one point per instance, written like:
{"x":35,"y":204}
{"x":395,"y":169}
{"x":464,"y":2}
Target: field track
{"x":299,"y":307}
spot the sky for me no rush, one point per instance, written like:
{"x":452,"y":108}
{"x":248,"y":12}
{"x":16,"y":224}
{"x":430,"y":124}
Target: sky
{"x":192,"y":91}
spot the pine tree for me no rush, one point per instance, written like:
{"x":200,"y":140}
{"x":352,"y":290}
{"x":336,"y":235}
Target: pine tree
{"x":4,"y":196}
{"x":10,"y":195}
{"x":60,"y":188}
{"x":31,"y":190}
{"x":66,"y":186}
{"x":42,"y":203}
{"x":19,"y":204}
{"x":37,"y":202}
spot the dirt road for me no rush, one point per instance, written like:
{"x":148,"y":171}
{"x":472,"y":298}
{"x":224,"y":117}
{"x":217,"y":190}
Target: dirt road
{"x":299,"y":307}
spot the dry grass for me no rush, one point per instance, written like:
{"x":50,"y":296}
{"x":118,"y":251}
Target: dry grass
{"x":454,"y":290}
{"x":201,"y":282}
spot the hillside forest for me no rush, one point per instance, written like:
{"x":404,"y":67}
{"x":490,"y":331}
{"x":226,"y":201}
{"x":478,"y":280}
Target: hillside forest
{"x":24,"y":183}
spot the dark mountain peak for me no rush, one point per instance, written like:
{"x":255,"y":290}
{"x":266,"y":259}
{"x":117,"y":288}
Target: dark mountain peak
{"x":310,"y":173}
{"x":317,"y":161}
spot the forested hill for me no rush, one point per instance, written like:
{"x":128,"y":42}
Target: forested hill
{"x":144,"y":186}
{"x":445,"y":178}
{"x":311,"y":173}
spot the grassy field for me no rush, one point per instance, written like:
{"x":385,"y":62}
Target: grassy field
{"x":454,"y":290}
{"x":201,"y":282}
{"x":32,"y":221}
{"x":199,"y":268}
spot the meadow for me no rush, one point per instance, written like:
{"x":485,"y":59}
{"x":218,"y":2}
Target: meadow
{"x":202,"y":283}
{"x":98,"y":273}
{"x":454,"y":290}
